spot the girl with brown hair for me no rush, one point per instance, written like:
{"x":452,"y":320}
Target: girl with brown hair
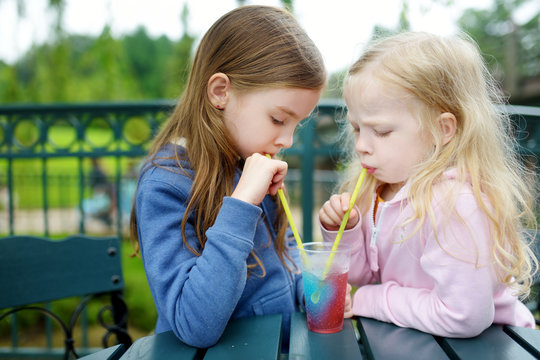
{"x":213,"y":238}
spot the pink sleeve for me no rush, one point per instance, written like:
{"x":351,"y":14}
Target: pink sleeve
{"x":458,"y":302}
{"x":359,"y":270}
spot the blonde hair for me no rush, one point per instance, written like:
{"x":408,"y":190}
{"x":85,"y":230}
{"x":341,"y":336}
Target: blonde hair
{"x":257,"y":47}
{"x":447,"y":74}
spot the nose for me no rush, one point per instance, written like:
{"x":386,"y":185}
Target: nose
{"x":285,"y":139}
{"x":361,"y":145}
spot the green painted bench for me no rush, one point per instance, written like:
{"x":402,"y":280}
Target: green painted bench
{"x":35,"y":270}
{"x":110,"y":353}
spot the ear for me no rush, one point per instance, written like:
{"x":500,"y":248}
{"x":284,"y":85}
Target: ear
{"x":448,"y":123}
{"x":218,"y":90}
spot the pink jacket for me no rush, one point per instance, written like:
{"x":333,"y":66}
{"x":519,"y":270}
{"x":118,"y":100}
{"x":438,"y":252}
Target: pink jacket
{"x":436,"y":285}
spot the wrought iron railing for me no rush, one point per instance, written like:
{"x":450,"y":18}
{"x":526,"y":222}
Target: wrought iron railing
{"x":37,"y":140}
{"x":38,"y":143}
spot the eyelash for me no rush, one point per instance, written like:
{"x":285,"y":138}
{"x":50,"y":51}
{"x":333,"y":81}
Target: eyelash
{"x":381,"y":133}
{"x":377,"y":133}
{"x":384,"y":133}
{"x":276,"y":121}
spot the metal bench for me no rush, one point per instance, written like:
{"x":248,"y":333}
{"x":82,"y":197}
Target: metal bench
{"x":111,"y":353}
{"x":36,"y":270}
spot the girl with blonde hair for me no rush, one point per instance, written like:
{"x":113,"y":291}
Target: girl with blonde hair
{"x":439,"y":231}
{"x":213,"y":238}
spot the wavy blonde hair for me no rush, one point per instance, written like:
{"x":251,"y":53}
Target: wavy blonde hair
{"x":257,"y":47}
{"x":448,"y":74}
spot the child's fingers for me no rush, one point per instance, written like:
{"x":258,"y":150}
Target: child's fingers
{"x":348,"y":303}
{"x":333,"y":217}
{"x":260,"y":176}
{"x":329,"y":217}
{"x":333,"y":211}
{"x":340,"y":202}
{"x":354,"y":217}
{"x":327,"y":223}
{"x":344,"y":199}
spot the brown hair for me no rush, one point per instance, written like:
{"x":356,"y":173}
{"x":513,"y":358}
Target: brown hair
{"x":256,"y":47}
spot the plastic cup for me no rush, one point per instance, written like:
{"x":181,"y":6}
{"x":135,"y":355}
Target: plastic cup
{"x":325,"y":297}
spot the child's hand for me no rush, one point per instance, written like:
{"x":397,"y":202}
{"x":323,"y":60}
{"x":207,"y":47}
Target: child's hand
{"x":333,"y":211}
{"x":348,"y":303}
{"x":260,"y":176}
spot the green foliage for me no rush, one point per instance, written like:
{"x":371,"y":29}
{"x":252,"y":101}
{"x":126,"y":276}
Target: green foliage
{"x":510,"y":48}
{"x":63,"y":174}
{"x":75,"y":68}
{"x":142,"y":311}
{"x":288,"y":4}
{"x":178,"y":68}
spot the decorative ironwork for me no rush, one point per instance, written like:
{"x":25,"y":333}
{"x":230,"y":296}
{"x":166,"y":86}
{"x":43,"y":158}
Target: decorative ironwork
{"x":118,"y":327}
{"x":125,"y":130}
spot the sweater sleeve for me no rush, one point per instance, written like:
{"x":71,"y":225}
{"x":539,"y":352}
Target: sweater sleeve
{"x":460,"y":301}
{"x":195,"y":294}
{"x":360,"y":272}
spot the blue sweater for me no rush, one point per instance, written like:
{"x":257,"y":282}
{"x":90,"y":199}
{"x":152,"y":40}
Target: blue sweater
{"x":196,"y":296}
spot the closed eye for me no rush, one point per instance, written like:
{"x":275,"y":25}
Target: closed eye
{"x":383,"y":133}
{"x":277,"y":121}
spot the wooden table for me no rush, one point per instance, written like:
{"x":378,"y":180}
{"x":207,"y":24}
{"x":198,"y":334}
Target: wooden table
{"x":361,"y":338}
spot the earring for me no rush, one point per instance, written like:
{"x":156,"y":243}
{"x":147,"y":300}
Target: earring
{"x":219,"y":107}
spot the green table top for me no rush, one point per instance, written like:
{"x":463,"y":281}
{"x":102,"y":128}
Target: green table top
{"x":260,"y":337}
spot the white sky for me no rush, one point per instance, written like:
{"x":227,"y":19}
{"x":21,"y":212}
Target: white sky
{"x":339,"y":28}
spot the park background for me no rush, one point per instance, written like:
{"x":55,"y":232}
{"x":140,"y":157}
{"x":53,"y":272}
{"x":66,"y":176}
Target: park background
{"x":60,"y":66}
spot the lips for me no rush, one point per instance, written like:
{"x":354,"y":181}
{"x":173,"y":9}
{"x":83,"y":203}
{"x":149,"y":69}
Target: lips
{"x":369,"y":169}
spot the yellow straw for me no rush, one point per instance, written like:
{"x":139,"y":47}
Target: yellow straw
{"x":291,"y":221}
{"x":316,"y":295}
{"x":344,"y":222}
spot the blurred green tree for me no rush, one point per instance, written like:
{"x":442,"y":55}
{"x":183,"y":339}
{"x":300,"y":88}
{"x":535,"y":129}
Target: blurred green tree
{"x":179,"y":65}
{"x":510,"y":45}
{"x":148,"y":60}
{"x":74,"y":68}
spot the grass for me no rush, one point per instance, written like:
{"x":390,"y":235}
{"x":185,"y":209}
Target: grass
{"x":63,"y":173}
{"x":142,"y":311}
{"x":62,"y":180}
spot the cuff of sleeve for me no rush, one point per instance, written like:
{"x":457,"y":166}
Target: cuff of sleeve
{"x":239,"y":216}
